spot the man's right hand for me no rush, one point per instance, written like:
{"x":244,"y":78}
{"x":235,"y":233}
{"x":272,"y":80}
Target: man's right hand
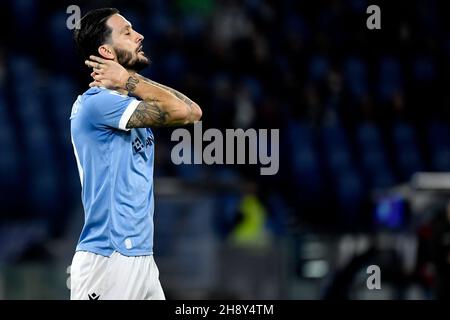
{"x":107,"y":73}
{"x":161,"y":106}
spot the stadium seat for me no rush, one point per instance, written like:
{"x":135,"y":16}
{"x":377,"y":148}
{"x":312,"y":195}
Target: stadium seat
{"x":356,"y":77}
{"x":254,"y":86}
{"x":373,"y":158}
{"x":336,"y":147}
{"x":16,"y":238}
{"x":227,"y":212}
{"x":174,"y":67}
{"x":305,"y":160}
{"x":158,"y":25}
{"x":334,"y":135}
{"x":9,"y":159}
{"x":409,"y":161}
{"x":390,"y":77}
{"x":24,"y":74}
{"x":372,"y":151}
{"x":279,"y":214}
{"x":423,"y":69}
{"x":381,"y":178}
{"x":62,"y":96}
{"x":44,"y":189}
{"x":350,"y":191}
{"x":368,"y":135}
{"x":318,"y":68}
{"x":191,"y":25}
{"x":438,"y":135}
{"x":407,"y":151}
{"x":189,"y":172}
{"x":441,"y":159}
{"x":64,"y":46}
{"x":24,"y":11}
{"x":438,"y":138}
{"x":403,"y":134}
{"x":294,"y":24}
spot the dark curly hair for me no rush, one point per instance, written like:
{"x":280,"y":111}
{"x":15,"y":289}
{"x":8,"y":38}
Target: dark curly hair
{"x":93,"y":31}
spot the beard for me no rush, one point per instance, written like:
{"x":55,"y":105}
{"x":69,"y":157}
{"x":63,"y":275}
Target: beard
{"x":125,"y":58}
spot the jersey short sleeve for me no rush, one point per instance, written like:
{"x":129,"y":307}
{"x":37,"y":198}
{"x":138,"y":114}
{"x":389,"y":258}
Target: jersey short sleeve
{"x":111,"y":109}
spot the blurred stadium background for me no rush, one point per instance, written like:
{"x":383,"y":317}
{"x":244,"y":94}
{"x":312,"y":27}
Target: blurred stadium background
{"x":362,"y":115}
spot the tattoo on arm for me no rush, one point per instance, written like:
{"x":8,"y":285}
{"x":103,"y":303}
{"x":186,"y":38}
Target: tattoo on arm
{"x":131,"y":84}
{"x":148,"y":113}
{"x":181,"y":96}
{"x":176,"y":93}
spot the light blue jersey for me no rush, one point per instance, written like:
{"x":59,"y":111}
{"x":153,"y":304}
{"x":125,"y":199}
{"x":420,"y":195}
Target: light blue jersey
{"x":116,"y":172}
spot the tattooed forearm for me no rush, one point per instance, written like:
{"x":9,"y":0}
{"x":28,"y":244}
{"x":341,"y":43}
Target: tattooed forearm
{"x":180,"y":96}
{"x":131,"y":83}
{"x":161,"y":106}
{"x":176,"y":93}
{"x":148,"y":113}
{"x":188,"y":102}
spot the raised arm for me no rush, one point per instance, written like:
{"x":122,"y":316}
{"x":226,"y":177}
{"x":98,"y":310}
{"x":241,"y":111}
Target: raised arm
{"x":161,"y":106}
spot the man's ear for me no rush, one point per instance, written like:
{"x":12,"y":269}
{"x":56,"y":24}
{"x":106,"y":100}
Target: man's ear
{"x":105,"y":51}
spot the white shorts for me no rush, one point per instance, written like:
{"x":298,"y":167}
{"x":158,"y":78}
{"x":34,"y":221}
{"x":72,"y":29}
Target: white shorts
{"x":118,"y":277}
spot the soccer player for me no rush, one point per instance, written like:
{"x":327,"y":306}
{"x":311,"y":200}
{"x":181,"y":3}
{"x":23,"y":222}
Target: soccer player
{"x":114,"y":149}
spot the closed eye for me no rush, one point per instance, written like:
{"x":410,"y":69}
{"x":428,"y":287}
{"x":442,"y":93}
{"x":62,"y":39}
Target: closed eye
{"x":126,"y":30}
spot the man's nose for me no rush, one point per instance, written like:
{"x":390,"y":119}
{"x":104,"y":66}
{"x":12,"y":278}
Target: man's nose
{"x":140,"y":37}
